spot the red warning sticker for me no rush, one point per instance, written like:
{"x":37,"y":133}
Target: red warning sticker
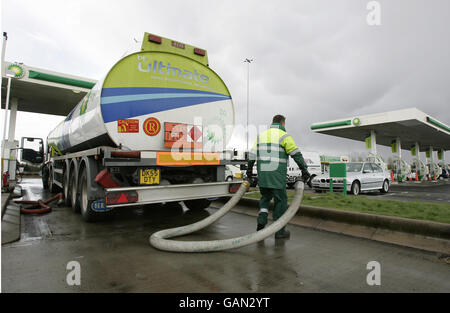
{"x":128,"y":126}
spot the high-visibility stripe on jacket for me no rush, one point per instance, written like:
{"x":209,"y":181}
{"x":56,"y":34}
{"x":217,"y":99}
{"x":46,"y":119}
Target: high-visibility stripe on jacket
{"x":271,"y":151}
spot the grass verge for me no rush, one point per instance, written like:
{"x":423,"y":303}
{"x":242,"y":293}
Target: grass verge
{"x":428,"y":211}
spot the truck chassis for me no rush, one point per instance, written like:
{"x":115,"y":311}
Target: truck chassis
{"x":97,"y":180}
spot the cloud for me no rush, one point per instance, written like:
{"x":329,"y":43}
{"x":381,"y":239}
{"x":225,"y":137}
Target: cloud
{"x":314,"y":60}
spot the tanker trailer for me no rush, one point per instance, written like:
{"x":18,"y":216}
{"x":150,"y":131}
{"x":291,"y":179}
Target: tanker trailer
{"x":153,"y":130}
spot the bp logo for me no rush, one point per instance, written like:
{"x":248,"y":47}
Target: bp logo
{"x":17,"y":69}
{"x":356,"y":121}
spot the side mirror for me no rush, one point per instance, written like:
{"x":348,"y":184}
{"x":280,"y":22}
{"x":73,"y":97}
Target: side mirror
{"x":243,"y":167}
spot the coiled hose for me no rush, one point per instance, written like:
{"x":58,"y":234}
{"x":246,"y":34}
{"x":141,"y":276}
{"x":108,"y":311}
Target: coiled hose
{"x":160,"y":240}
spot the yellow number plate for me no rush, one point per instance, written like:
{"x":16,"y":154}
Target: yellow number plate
{"x":149,"y":177}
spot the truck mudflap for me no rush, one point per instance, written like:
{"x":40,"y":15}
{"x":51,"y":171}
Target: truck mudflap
{"x":128,"y":196}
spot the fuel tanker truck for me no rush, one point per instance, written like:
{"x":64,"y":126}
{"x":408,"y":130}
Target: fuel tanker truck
{"x":153,"y":130}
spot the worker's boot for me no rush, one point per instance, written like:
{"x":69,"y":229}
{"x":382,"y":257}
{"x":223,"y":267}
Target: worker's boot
{"x":282,"y":234}
{"x":262,"y":220}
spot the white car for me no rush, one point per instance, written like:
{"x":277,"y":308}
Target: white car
{"x":294,"y":174}
{"x":361,"y":176}
{"x":232,"y":172}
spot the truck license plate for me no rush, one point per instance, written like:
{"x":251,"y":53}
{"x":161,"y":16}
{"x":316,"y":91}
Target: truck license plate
{"x":149,"y":176}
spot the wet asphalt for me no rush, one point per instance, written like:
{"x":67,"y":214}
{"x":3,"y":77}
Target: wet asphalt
{"x":115,"y":256}
{"x":410,"y":191}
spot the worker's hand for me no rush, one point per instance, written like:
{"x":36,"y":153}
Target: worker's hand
{"x":249,"y":175}
{"x":306,"y":178}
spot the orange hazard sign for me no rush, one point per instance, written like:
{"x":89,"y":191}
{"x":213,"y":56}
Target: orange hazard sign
{"x":182,"y":135}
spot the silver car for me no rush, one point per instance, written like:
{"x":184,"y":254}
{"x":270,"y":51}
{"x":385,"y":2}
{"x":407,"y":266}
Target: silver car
{"x":361,"y":176}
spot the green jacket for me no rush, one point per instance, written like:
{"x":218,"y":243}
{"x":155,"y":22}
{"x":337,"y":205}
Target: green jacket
{"x":271,"y":151}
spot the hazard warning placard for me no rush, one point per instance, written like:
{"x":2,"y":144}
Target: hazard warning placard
{"x":183,"y":136}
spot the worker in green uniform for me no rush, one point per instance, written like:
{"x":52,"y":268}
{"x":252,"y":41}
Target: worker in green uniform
{"x":271,"y":151}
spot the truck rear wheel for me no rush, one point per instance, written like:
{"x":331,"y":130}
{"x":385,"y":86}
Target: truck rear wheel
{"x":74,"y":199}
{"x":198,"y":204}
{"x":85,"y":204}
{"x":88,"y":214}
{"x":67,"y":188}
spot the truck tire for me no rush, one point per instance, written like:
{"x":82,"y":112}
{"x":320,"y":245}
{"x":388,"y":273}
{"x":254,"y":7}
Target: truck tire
{"x":74,"y":199}
{"x":45,"y":177}
{"x":198,"y":204}
{"x":87,"y":213}
{"x":67,"y":188}
{"x":52,"y":187}
{"x":173,"y":205}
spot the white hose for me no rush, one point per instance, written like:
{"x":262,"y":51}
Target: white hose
{"x":159,"y":239}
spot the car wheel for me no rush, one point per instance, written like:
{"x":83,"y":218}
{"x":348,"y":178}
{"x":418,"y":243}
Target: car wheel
{"x":229,"y":178}
{"x":45,"y":177}
{"x":385,"y":187}
{"x":356,"y":188}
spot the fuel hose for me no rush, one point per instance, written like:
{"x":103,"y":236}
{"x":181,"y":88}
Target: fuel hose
{"x":160,"y":239}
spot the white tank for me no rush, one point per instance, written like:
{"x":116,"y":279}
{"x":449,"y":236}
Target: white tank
{"x":134,"y":105}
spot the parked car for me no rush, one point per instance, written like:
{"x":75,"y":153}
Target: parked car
{"x":294,"y":174}
{"x":361,"y":176}
{"x":232,"y":172}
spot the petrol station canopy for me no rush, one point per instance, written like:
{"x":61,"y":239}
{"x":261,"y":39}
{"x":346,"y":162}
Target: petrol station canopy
{"x":43,"y":91}
{"x":410,"y":125}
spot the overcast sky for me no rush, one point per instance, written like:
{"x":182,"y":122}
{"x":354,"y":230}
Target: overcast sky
{"x":313,"y":60}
